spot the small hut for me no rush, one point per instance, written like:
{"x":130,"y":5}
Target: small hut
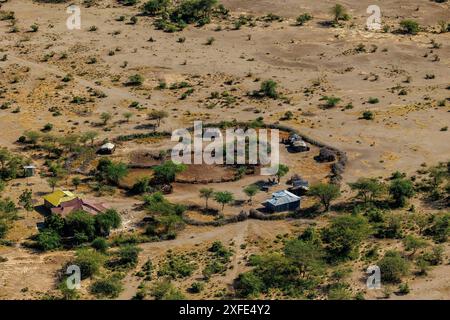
{"x":29,"y":170}
{"x":282,"y":201}
{"x":293,"y":137}
{"x":107,"y":148}
{"x":299,"y":186}
{"x":299,"y":146}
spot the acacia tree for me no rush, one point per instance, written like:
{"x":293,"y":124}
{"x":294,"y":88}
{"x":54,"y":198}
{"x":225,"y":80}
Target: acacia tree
{"x":26,"y":200}
{"x":89,"y":136}
{"x":339,"y":12}
{"x":105,"y":116}
{"x":368,"y":189}
{"x":306,"y":255}
{"x":401,"y":190}
{"x":154,"y":7}
{"x":157,"y":115}
{"x":413,"y":243}
{"x":166,"y":172}
{"x":127,"y":116}
{"x":250,"y":191}
{"x":116,"y":171}
{"x":5,"y":156}
{"x":206,"y":193}
{"x":344,"y":236}
{"x":269,"y":89}
{"x":282,"y":171}
{"x":223,"y":197}
{"x":53,"y":182}
{"x":325,"y":193}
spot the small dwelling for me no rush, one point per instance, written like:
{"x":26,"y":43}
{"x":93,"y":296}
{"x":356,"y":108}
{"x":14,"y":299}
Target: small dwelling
{"x":78,"y":204}
{"x":282,"y":201}
{"x":293,"y":137}
{"x":107,"y":148}
{"x":299,"y":186}
{"x":58,"y":197}
{"x":299,"y":146}
{"x":29,"y":170}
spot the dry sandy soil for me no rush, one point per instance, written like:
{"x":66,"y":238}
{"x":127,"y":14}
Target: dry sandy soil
{"x":405,"y":133}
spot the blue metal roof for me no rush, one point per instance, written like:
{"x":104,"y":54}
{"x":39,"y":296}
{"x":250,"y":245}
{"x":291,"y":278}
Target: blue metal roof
{"x":282,"y":197}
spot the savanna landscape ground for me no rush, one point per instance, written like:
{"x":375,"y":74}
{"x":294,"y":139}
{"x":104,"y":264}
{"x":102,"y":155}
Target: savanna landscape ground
{"x":381,"y":97}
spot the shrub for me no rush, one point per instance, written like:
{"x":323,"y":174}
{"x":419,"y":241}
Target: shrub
{"x":47,"y":127}
{"x":344,"y":236}
{"x":409,"y":26}
{"x":108,"y":287}
{"x":301,"y":19}
{"x":143,"y":185}
{"x":401,"y":190}
{"x":440,"y":228}
{"x":126,"y":257}
{"x":135,"y":80}
{"x":106,"y":221}
{"x":81,"y":223}
{"x":164,"y":290}
{"x":89,"y":262}
{"x":177,"y":266}
{"x":368,"y":115}
{"x":269,"y":89}
{"x":154,"y":7}
{"x":48,"y":240}
{"x":197,"y":287}
{"x":4,"y":227}
{"x":55,"y":222}
{"x":248,"y":285}
{"x":393,"y":267}
{"x":210,"y":41}
{"x":373,"y":100}
{"x":331,"y":102}
{"x":403,"y":288}
{"x":166,"y":172}
{"x":339,"y":12}
{"x":100,"y":244}
{"x":34,"y":28}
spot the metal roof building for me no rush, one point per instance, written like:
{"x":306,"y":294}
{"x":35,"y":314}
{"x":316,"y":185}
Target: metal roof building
{"x":282,"y":201}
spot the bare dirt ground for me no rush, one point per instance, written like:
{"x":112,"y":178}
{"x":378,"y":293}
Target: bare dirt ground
{"x":405,"y":133}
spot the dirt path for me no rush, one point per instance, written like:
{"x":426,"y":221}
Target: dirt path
{"x":237,"y":232}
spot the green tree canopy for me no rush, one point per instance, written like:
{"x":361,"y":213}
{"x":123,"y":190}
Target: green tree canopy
{"x":251,"y":191}
{"x":393,"y":267}
{"x":81,"y":223}
{"x":401,"y":190}
{"x":368,"y":189}
{"x":48,"y":240}
{"x":223,"y":197}
{"x":344,"y":236}
{"x":325,"y":193}
{"x":104,"y":222}
{"x":166,"y":172}
{"x":206,"y":193}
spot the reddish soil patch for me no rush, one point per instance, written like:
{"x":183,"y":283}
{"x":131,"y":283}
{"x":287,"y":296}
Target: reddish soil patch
{"x":133,"y":176}
{"x":197,"y":173}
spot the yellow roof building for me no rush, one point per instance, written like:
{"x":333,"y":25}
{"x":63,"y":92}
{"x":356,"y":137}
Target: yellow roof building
{"x":58,"y":197}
